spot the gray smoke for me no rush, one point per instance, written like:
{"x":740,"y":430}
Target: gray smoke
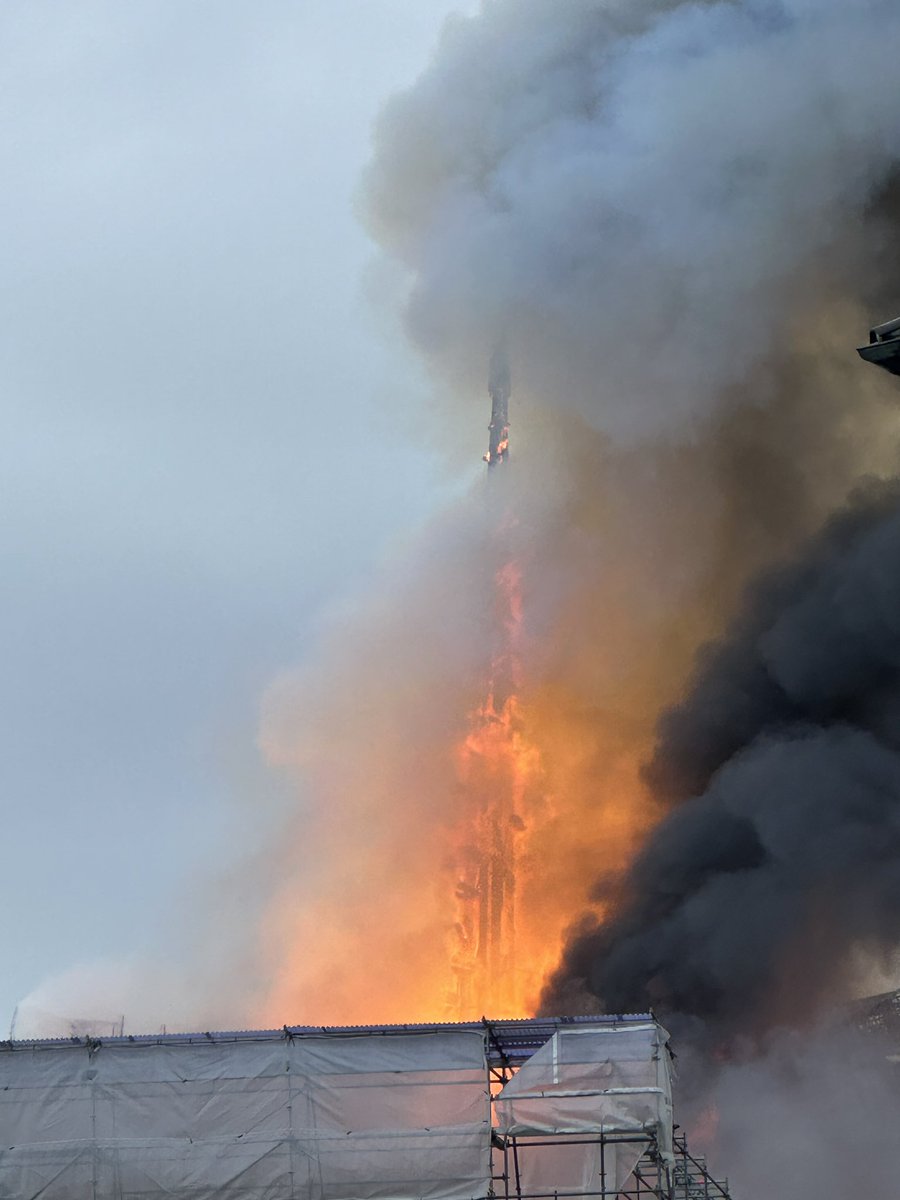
{"x":678,"y":215}
{"x":647,"y":199}
{"x":812,"y":1115}
{"x":781,"y":855}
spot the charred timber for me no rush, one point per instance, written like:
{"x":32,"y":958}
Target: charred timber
{"x":499,"y":388}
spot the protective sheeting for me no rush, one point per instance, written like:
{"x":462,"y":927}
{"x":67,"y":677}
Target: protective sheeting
{"x":368,"y":1117}
{"x":607,"y":1080}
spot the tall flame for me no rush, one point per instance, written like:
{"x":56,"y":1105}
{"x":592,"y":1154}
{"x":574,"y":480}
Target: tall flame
{"x":470,"y":757}
{"x":499,"y":773}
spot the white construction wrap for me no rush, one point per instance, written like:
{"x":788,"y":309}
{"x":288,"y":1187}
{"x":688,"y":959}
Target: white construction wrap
{"x":368,"y":1117}
{"x":613,"y":1080}
{"x":389,"y":1114}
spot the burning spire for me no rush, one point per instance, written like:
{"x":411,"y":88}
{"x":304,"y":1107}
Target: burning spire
{"x":497,"y":768}
{"x":499,"y":388}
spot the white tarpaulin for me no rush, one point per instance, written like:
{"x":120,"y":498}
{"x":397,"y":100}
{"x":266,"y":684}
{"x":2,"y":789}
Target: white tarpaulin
{"x":609,"y":1080}
{"x":368,"y":1117}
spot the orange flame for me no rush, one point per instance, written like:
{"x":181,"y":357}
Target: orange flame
{"x":456,"y":826}
{"x":498,"y":769}
{"x":450,"y":898}
{"x":459,"y":805}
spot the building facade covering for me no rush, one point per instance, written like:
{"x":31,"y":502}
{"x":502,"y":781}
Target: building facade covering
{"x":449,"y":1112}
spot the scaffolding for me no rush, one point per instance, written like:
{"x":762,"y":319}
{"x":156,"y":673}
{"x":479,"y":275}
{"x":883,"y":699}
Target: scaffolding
{"x":524,"y":1109}
{"x":580,"y":1112}
{"x":687,"y":1179}
{"x":599,"y":1120}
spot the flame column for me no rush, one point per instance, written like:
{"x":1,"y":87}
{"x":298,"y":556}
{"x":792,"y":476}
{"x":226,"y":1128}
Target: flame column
{"x":495,"y":768}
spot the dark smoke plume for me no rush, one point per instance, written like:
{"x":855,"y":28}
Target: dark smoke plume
{"x":781,"y":853}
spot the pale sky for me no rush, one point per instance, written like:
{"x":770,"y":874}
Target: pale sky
{"x":201,"y":449}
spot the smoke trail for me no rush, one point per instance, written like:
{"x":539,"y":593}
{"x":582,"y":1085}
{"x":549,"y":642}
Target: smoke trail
{"x":644,"y":196}
{"x":815,"y":1108}
{"x":783,"y":761}
{"x":676,"y":217}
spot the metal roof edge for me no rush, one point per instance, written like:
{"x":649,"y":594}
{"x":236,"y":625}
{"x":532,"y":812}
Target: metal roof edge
{"x":517,"y":1031}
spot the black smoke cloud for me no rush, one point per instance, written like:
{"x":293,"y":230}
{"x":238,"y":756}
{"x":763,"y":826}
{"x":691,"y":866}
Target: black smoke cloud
{"x":780,"y":855}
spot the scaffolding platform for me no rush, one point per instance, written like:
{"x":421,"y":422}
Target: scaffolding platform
{"x":525,"y":1109}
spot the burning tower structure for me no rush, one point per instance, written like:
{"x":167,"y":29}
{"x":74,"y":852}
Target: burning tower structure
{"x":497,"y":767}
{"x":499,"y":389}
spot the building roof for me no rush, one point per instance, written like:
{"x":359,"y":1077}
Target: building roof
{"x":510,"y":1042}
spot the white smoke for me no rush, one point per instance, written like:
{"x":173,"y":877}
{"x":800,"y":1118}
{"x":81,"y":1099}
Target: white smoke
{"x":645,"y":197}
{"x":813,"y":1115}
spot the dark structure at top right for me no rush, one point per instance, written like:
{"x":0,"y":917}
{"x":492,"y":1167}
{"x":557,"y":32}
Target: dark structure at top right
{"x":884,"y":346}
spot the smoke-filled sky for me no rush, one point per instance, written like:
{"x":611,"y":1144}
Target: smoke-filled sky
{"x":250,"y":566}
{"x":678,"y":218}
{"x":195,"y":457}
